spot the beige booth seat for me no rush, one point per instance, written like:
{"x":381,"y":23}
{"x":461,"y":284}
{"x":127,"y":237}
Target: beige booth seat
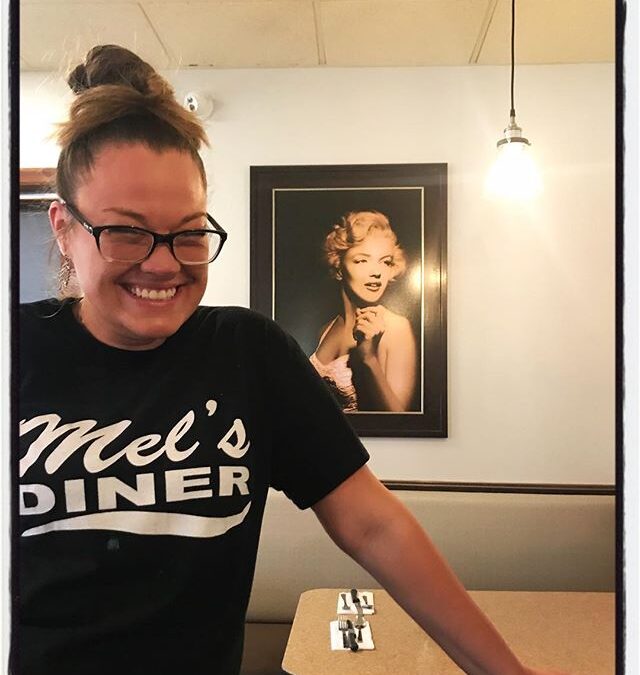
{"x":493,"y":540}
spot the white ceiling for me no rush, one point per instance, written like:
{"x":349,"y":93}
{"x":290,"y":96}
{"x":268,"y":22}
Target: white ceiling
{"x":55,"y":34}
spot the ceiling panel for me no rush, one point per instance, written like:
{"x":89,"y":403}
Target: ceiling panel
{"x":232,"y":34}
{"x":400,"y":32}
{"x":57,"y":35}
{"x":549,"y":31}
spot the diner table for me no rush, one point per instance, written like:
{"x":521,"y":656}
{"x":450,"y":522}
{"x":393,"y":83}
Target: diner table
{"x":572,"y":631}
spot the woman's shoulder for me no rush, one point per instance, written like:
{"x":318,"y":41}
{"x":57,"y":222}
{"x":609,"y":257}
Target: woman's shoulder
{"x":230,"y":314}
{"x":40,"y":307}
{"x":33,"y":313}
{"x":325,"y":328}
{"x":46,"y":326}
{"x":396,"y":322}
{"x":398,"y":332}
{"x":234,"y":321}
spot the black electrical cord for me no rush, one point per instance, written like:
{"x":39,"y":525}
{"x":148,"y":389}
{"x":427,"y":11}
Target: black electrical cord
{"x":513,"y":54}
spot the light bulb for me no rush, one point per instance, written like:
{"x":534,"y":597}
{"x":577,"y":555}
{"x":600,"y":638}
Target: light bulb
{"x":514,"y":174}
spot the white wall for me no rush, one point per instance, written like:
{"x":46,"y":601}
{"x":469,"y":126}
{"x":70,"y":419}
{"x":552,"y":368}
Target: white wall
{"x":531,"y":289}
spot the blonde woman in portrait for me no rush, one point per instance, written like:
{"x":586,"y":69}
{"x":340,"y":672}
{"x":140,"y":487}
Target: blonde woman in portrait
{"x":367,"y":353}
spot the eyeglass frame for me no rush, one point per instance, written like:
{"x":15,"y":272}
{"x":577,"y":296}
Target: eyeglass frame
{"x":97,"y":230}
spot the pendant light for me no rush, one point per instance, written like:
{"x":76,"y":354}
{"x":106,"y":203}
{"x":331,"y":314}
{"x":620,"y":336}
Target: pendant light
{"x":514,"y":174}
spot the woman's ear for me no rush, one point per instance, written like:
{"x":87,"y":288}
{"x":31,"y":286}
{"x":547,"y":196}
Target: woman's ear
{"x":59,"y":224}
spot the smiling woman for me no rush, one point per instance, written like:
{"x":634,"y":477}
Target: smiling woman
{"x":145,"y":415}
{"x":366,"y":354}
{"x":151,"y":428}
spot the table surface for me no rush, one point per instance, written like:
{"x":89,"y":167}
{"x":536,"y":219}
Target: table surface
{"x":570,"y":631}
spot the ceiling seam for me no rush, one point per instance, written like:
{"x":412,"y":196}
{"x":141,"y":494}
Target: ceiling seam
{"x":172,"y":59}
{"x":484,"y":29}
{"x":322,"y":54}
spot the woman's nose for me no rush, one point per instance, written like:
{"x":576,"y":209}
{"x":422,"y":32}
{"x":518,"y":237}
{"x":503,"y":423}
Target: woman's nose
{"x":161,"y":261}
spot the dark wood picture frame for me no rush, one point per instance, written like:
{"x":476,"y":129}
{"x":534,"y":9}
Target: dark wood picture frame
{"x":292,"y":210}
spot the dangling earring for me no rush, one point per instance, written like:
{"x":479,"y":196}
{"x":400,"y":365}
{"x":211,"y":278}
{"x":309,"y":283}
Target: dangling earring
{"x":339,"y":275}
{"x":64,"y":274}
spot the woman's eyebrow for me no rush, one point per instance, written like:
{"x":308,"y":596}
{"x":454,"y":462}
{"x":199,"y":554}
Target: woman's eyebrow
{"x":193,"y":216}
{"x":126,"y":212}
{"x":141,"y":218}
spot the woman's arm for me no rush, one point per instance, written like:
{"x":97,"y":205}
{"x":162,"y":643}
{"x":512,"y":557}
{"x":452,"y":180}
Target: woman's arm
{"x":389,"y":379}
{"x":384,"y":537}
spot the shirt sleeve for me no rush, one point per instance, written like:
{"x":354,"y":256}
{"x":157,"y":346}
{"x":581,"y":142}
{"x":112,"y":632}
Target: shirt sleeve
{"x":314,"y":446}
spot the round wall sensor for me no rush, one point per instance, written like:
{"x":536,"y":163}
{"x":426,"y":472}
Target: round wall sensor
{"x":199,"y":103}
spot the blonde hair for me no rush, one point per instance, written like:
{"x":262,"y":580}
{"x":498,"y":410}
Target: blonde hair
{"x":352,"y":229}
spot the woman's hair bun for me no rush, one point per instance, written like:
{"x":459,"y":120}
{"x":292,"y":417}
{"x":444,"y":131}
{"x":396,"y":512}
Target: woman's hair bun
{"x":121,"y":99}
{"x":78,"y":80}
{"x":111,"y":64}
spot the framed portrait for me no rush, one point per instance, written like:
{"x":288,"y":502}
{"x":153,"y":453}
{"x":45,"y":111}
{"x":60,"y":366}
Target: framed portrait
{"x":351,"y":261}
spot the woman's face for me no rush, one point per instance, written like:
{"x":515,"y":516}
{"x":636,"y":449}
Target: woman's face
{"x":160,"y":191}
{"x":368,"y":267}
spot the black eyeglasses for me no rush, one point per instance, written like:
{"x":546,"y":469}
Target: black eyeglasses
{"x":132,"y":244}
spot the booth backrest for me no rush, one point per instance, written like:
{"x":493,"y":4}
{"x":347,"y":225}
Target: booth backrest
{"x":493,"y":540}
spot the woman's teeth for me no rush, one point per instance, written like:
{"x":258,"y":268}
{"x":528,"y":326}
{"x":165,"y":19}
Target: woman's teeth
{"x":152,"y":293}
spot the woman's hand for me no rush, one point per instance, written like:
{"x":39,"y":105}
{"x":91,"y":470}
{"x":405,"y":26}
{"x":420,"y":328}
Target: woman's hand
{"x":368,"y":329}
{"x":384,"y":373}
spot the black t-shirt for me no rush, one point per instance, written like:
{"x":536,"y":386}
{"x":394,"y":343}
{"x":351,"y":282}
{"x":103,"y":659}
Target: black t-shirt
{"x":143,"y":478}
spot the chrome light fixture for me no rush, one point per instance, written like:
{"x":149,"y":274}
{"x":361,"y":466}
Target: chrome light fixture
{"x":514,"y":174}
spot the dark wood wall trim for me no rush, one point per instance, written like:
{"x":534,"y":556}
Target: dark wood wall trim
{"x":37,"y":179}
{"x":516,"y":488}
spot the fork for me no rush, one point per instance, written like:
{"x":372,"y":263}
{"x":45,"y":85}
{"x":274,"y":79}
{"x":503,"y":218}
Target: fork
{"x":343,"y":627}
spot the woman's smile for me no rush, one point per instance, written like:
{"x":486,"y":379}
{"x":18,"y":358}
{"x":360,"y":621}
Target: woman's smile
{"x":153,"y":293}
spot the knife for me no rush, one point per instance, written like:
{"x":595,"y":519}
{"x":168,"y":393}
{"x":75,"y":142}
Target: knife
{"x":360,"y":623}
{"x":358,"y":605}
{"x":353,"y":642}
